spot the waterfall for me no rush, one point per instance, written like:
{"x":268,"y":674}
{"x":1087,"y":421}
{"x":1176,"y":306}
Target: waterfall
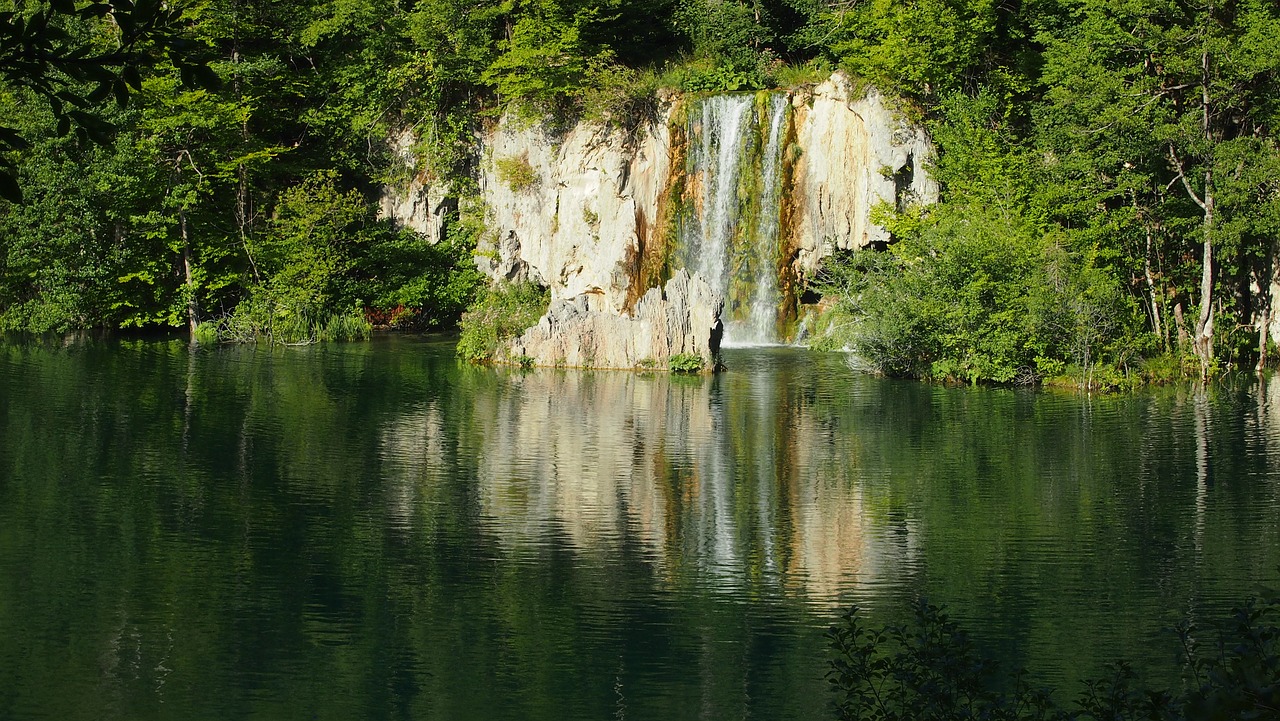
{"x":729,"y":232}
{"x":720,"y":128}
{"x":764,"y":306}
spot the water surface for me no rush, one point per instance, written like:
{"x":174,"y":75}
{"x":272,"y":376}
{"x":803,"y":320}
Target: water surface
{"x":376,"y":531}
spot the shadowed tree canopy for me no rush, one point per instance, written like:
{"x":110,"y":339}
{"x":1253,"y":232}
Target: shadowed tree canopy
{"x":74,"y":56}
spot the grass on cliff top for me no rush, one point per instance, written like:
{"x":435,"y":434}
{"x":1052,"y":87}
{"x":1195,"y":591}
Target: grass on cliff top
{"x":500,"y":313}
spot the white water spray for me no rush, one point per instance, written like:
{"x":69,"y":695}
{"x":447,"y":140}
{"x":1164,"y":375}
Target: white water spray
{"x":738,"y":180}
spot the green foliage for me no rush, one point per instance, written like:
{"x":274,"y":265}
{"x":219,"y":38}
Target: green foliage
{"x":1149,"y":112}
{"x":1079,"y":141}
{"x":261,"y":320}
{"x":686,"y":363}
{"x":719,"y":79}
{"x":805,"y":74}
{"x":924,"y":49}
{"x":926,"y":671}
{"x":974,"y":295}
{"x":985,"y":287}
{"x":307,"y":249}
{"x":413,"y":283}
{"x":730,"y":33}
{"x":516,"y":173}
{"x":499,"y":314}
{"x":622,"y":96}
{"x":930,"y":670}
{"x":546,"y":59}
{"x":74,"y":58}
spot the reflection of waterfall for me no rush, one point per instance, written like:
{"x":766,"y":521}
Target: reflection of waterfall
{"x":730,"y":483}
{"x":730,"y":232}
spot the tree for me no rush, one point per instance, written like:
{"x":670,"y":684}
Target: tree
{"x":1147,"y":97}
{"x":72,"y":59}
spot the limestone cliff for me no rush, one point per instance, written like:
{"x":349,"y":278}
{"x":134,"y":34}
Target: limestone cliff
{"x":683,"y":317}
{"x":569,"y":211}
{"x":415,"y":202}
{"x":854,"y":154}
{"x":749,"y":190}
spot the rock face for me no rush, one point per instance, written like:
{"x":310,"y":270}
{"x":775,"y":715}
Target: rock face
{"x":416,"y":202}
{"x":582,"y":332}
{"x":854,"y":155}
{"x":579,"y":210}
{"x":751,"y":190}
{"x":570,"y":212}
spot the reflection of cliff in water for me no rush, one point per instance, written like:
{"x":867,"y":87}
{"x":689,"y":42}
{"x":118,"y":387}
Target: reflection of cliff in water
{"x":735,"y":482}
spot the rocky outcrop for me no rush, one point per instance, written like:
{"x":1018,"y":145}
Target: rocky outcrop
{"x":855,"y":153}
{"x":752,"y":190}
{"x":569,"y":211}
{"x":576,"y":209}
{"x":683,"y":317}
{"x":590,"y":202}
{"x":414,"y":202}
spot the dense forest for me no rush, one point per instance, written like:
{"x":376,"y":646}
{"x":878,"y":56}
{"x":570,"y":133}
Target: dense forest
{"x":1110,"y":175}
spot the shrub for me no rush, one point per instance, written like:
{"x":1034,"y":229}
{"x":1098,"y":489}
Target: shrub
{"x":686,"y":363}
{"x":516,"y":173}
{"x":343,"y":327}
{"x":792,"y":76}
{"x":207,"y":333}
{"x":724,"y":78}
{"x":974,"y":295}
{"x":261,"y":319}
{"x":621,"y":96}
{"x":499,"y":314}
{"x":406,"y":281}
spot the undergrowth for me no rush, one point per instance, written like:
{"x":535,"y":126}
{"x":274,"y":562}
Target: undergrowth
{"x":499,"y":314}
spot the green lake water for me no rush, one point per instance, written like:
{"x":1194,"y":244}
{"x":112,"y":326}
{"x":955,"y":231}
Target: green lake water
{"x":375,"y":531}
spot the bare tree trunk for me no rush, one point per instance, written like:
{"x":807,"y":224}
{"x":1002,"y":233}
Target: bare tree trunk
{"x":1203,"y":340}
{"x":1266,"y":282}
{"x":1180,"y":321}
{"x":1204,"y":323}
{"x":1156,"y":325}
{"x":192,"y":315}
{"x":1264,"y":325}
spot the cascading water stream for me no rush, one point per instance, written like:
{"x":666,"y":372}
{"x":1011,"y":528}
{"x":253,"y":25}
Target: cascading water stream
{"x":724,"y":118}
{"x":762,"y":324}
{"x":730,"y":235}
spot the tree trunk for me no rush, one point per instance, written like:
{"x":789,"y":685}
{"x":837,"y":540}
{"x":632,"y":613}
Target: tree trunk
{"x":1204,"y":323}
{"x":1181,"y":322}
{"x":1156,"y":325}
{"x":192,"y":316}
{"x":1266,"y":283}
{"x":1264,"y":324}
